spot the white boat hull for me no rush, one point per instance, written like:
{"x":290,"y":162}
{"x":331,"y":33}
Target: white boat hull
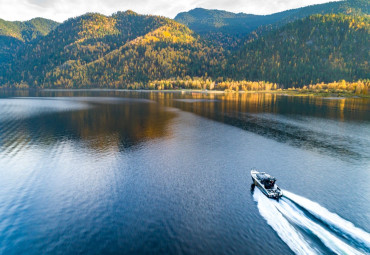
{"x":275,"y":192}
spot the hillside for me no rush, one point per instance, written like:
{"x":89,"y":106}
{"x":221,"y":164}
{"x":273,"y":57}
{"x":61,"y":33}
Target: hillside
{"x":8,"y":47}
{"x":230,"y":28}
{"x":320,"y":48}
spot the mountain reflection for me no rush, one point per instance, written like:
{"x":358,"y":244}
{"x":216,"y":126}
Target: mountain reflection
{"x":118,"y":119}
{"x":105,"y":124}
{"x":211,"y":105}
{"x":306,"y":122}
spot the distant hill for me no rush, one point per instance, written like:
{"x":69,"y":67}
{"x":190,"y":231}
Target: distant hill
{"x":27,"y":30}
{"x":319,"y":48}
{"x":229,"y":28}
{"x":14,"y":34}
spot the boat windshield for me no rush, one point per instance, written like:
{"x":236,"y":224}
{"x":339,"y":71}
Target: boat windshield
{"x":269,"y":184}
{"x":267,"y":180}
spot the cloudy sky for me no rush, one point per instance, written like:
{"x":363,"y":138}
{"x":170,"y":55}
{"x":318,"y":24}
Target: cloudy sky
{"x":61,"y":10}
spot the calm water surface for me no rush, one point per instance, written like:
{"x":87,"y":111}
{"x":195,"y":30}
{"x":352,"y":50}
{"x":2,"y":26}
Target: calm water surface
{"x":120,"y":172}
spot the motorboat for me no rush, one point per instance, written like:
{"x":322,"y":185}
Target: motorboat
{"x":266,"y":183}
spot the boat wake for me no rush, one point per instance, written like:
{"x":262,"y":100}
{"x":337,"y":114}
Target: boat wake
{"x":308,"y":228}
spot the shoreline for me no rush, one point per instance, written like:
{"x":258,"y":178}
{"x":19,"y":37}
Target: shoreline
{"x":284,"y":92}
{"x":325,"y":95}
{"x":144,"y":90}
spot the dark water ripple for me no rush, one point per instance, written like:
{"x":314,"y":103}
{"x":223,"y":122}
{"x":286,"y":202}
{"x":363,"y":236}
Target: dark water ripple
{"x":342,"y":147}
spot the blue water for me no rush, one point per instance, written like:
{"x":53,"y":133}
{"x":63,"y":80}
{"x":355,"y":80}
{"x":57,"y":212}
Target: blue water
{"x":138,"y":172}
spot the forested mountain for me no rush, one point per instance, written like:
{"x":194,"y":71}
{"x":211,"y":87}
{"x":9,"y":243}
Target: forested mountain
{"x":125,"y":47}
{"x":82,"y":39}
{"x":27,"y":30}
{"x":230,"y":28}
{"x":14,"y":34}
{"x":128,"y":50}
{"x":319,"y":48}
{"x":172,"y":50}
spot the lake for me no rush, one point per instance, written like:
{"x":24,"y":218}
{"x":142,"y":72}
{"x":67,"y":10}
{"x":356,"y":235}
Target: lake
{"x":169,"y":172}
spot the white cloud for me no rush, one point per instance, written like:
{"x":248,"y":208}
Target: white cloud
{"x":61,"y":10}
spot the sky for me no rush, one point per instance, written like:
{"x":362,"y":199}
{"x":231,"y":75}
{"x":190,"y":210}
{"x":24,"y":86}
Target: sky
{"x":60,"y":10}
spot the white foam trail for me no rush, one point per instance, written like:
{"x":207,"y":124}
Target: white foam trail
{"x":298,"y":217}
{"x":283,"y":228}
{"x":332,"y":219}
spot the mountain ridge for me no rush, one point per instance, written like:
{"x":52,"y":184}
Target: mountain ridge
{"x":229,"y":28}
{"x":27,"y":30}
{"x":14,"y":34}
